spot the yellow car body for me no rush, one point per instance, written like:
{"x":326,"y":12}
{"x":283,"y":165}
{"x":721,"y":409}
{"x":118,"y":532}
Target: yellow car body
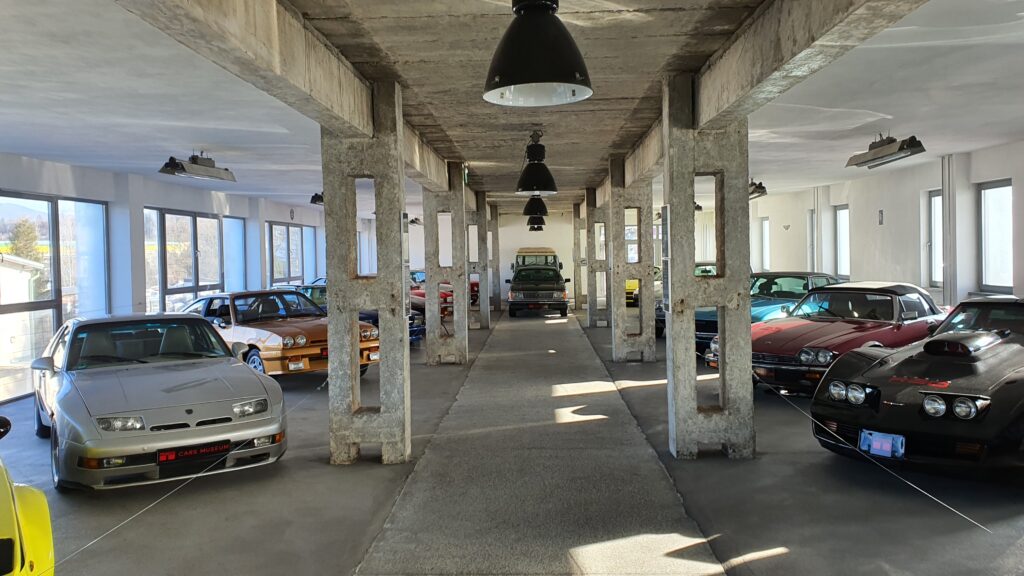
{"x":26,"y":539}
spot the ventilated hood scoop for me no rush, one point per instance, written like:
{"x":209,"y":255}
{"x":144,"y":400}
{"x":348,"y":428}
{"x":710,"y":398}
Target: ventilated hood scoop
{"x":961,"y":344}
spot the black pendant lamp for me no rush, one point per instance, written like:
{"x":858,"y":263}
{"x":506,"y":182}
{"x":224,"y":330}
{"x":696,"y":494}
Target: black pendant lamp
{"x":535,"y":178}
{"x":537,"y":62}
{"x":535,"y":221}
{"x":536,"y":228}
{"x":535,"y":207}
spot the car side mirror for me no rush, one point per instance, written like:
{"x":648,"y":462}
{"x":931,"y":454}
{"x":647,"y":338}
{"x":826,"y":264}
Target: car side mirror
{"x":508,"y":281}
{"x":223,"y":322}
{"x":785,"y":309}
{"x":5,"y":426}
{"x":44,"y":364}
{"x":238,"y":348}
{"x":567,"y":280}
{"x":932,"y":328}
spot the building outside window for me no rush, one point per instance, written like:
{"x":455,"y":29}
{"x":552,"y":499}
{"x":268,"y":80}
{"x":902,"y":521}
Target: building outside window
{"x":184,"y":258}
{"x":935,"y":256}
{"x":286,"y":253}
{"x":842,"y":229}
{"x":997,"y":237}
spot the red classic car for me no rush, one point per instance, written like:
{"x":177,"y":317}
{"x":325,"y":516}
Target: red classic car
{"x":793,"y":353}
{"x":418,"y":277}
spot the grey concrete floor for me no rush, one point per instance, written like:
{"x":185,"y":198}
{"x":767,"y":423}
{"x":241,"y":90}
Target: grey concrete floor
{"x":539,"y":468}
{"x":799,"y":509}
{"x":298,"y":516}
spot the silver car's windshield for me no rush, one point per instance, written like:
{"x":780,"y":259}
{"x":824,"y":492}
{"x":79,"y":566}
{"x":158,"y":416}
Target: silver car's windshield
{"x":985,"y":317}
{"x":143,"y":342}
{"x":846,"y":305}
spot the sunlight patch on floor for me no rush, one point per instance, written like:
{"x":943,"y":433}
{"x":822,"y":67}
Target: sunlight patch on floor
{"x":733,"y":563}
{"x":646,"y":554}
{"x":568,"y":415}
{"x":577,"y":388}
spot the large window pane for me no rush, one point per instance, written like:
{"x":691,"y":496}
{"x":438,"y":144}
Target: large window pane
{"x":152,"y":252}
{"x":843,"y":241}
{"x":997,"y":237}
{"x":179,"y":251}
{"x":935,"y":237}
{"x":234,"y":254}
{"x":24,"y":336}
{"x":208,"y":240}
{"x":83,"y":262}
{"x":294,"y":251}
{"x":308,"y":254}
{"x":279,"y":251}
{"x":25,"y":245}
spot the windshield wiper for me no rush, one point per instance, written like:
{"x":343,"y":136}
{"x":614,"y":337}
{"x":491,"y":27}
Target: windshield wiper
{"x":112,"y":358}
{"x":192,"y":354}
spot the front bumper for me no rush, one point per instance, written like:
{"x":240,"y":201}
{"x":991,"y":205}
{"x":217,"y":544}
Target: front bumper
{"x":141,"y":451}
{"x":793,"y":378}
{"x":937,"y":447}
{"x":295,"y":360}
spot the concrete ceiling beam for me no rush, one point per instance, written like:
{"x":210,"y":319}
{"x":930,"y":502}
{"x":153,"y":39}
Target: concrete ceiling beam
{"x":782,"y":45}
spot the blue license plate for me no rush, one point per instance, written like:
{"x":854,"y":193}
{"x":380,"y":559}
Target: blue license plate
{"x":882,"y":444}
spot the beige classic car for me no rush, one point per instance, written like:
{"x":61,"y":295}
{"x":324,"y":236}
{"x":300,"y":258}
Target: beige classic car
{"x":286,"y":332}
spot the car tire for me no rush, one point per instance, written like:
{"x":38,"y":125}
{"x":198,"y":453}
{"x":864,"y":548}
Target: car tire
{"x":59,"y":485}
{"x":659,"y":331}
{"x":255,"y":361}
{"x":363,"y":369}
{"x":564,"y":312}
{"x":42,"y":428}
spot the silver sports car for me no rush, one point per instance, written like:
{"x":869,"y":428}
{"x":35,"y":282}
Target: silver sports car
{"x":142,"y":399}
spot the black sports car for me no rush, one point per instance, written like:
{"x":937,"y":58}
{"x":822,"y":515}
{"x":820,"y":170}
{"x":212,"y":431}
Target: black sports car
{"x":956,"y":397}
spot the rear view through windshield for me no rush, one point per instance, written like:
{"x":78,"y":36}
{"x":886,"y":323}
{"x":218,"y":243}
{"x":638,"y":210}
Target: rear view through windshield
{"x":537,"y":275}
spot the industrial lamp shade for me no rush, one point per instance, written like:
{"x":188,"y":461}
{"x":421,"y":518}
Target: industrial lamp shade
{"x":535,"y":207}
{"x":317,"y":199}
{"x":536,"y":228}
{"x":536,"y":179}
{"x":537,"y":62}
{"x":535,"y":221}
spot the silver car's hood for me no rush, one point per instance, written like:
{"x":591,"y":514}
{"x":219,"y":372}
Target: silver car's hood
{"x":165,"y":384}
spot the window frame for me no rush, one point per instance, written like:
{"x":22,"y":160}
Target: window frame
{"x":161,"y":237}
{"x":292,"y":277}
{"x":982,"y":187}
{"x":835,"y":228}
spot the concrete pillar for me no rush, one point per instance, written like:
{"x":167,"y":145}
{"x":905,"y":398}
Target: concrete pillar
{"x":344,"y":160}
{"x":577,"y":282}
{"x":596,"y":218}
{"x":495,"y":259}
{"x":447,"y":344}
{"x":482,"y":266}
{"x":631,"y":340}
{"x":723,"y":154}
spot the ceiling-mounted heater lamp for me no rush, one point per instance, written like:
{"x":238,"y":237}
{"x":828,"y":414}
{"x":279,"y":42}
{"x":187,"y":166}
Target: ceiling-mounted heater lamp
{"x":535,"y":206}
{"x":317,"y":199}
{"x":757,"y":190}
{"x":535,"y":221}
{"x":886,"y":150}
{"x":536,"y":228}
{"x":536,"y":179}
{"x":537,"y":63}
{"x":697,"y":207}
{"x":197,"y":166}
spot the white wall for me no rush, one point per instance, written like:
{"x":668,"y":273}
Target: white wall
{"x":897,"y":249}
{"x":557,"y":234}
{"x":127,"y":195}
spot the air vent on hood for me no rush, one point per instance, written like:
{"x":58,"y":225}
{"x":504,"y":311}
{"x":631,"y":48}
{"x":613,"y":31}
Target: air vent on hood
{"x":960,"y":343}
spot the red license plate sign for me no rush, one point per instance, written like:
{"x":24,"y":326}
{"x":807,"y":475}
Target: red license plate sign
{"x":192,"y":452}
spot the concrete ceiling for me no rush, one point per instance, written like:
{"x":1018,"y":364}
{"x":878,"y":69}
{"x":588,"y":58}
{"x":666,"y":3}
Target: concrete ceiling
{"x":441,"y":49}
{"x":86,"y":83}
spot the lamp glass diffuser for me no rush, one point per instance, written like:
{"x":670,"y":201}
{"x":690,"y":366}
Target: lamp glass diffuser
{"x":535,"y":221}
{"x":536,"y":228}
{"x":537,"y":63}
{"x":535,"y":207}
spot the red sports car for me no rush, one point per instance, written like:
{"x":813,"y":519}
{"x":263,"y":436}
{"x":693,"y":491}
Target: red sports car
{"x":793,"y":353}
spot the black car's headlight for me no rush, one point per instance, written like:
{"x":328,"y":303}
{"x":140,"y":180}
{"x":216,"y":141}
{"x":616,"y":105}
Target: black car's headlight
{"x":121,"y":423}
{"x":933,"y":406}
{"x":250,"y":408}
{"x":856,"y":394}
{"x":816,"y":356}
{"x":962,"y":407}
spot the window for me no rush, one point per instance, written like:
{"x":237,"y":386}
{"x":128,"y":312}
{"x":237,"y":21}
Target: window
{"x":935,"y":258}
{"x":286,"y":255}
{"x":83,"y":258}
{"x":309,"y":255}
{"x":184,"y":258}
{"x":843,"y":242}
{"x":819,"y":281}
{"x":997,"y":237}
{"x":787,"y":287}
{"x":915,"y":305}
{"x":234,"y":254}
{"x":766,"y":245}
